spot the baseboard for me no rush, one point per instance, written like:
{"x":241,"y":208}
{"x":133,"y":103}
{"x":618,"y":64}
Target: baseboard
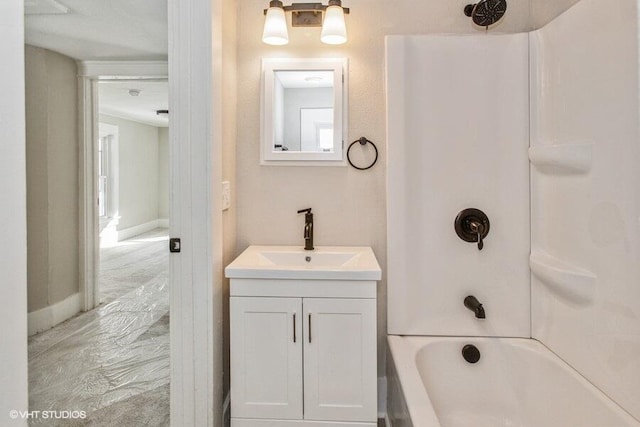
{"x":50,"y":316}
{"x":226,"y":416}
{"x":382,"y":397}
{"x":136,"y":230}
{"x":163,"y":223}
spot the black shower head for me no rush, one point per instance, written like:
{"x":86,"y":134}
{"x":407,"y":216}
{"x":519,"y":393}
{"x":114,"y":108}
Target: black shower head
{"x":486,"y":12}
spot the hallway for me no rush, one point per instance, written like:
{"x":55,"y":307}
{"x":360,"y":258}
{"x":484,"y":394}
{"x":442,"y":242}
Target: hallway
{"x":111,"y":362}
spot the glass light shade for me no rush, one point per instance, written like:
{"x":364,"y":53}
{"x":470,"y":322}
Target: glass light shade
{"x":334,"y":30}
{"x":275,"y":27}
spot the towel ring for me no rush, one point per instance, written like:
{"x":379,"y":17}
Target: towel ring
{"x":362,"y":141}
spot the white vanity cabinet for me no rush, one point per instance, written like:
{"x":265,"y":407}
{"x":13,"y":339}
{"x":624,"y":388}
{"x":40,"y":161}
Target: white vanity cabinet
{"x":266,"y":357}
{"x":303,"y":353}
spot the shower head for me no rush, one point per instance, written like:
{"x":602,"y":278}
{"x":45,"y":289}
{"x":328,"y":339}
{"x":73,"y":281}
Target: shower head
{"x":486,"y":12}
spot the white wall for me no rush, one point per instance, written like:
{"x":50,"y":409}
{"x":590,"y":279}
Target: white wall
{"x":138,"y":164}
{"x":586,"y":194}
{"x":349,"y":205}
{"x":52,"y":177}
{"x":13,"y":193}
{"x":458,"y":134}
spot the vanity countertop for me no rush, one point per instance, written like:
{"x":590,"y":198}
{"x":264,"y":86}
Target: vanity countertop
{"x":293,"y":262}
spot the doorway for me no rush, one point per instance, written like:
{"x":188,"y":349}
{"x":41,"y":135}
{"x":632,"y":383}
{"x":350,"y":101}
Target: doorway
{"x":195,"y":215}
{"x":112,"y":362}
{"x":133,"y":185}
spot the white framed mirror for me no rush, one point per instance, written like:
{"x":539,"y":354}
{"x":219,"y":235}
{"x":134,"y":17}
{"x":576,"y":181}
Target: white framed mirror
{"x":303,"y":111}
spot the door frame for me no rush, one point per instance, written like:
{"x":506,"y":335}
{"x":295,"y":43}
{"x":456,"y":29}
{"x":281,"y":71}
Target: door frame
{"x":13,"y":253}
{"x":89,"y":74}
{"x":195,"y":134}
{"x":195,"y":153}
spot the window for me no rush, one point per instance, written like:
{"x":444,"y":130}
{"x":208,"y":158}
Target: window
{"x":103,"y":175}
{"x":325,"y":136}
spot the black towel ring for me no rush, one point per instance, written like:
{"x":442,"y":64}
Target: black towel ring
{"x":362,"y":141}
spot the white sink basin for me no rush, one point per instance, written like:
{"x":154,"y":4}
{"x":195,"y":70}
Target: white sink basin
{"x":292,"y":262}
{"x":298,"y":259}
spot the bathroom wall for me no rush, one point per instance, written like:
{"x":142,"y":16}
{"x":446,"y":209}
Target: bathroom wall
{"x":13,"y":194}
{"x":138,"y":168}
{"x":349,"y":205}
{"x":52,"y":178}
{"x":458,"y":134}
{"x":586,"y":194}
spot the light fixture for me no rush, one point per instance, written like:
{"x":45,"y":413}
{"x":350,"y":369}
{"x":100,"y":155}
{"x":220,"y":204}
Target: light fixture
{"x":275,"y":25}
{"x":313,"y":79}
{"x":334,"y":30}
{"x":134,"y":92}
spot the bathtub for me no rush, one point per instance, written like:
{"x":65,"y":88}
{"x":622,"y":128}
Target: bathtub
{"x":516,"y":383}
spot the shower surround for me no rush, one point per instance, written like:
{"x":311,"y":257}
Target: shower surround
{"x":458,"y":129}
{"x":540,"y":131}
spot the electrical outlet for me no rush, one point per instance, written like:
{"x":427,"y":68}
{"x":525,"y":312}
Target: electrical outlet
{"x":226,"y":195}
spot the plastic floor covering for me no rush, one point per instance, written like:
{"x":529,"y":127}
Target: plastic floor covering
{"x":111,"y":362}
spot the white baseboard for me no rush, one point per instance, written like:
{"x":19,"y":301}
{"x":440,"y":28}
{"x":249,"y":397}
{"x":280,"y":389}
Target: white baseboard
{"x":50,"y":316}
{"x":163,"y":223}
{"x":382,"y":397}
{"x":136,"y":230}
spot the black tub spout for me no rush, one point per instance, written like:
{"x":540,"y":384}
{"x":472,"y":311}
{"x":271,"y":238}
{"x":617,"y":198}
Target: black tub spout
{"x":474,"y":305}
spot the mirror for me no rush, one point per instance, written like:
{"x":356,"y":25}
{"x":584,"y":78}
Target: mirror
{"x":303,"y":111}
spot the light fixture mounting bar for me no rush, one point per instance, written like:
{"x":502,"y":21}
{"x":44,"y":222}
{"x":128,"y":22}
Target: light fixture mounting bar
{"x":307,"y":14}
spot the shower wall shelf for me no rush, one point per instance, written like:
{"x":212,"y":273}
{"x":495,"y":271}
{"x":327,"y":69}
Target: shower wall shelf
{"x":562,"y":159}
{"x":563,"y":279}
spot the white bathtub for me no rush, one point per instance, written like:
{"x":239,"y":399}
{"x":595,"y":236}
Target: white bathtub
{"x":516,"y":383}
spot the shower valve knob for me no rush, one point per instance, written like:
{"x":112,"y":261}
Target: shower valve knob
{"x":477,"y":228}
{"x":472,"y":225}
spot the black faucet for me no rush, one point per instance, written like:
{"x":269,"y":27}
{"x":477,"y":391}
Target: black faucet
{"x":474,"y":305}
{"x":308,"y":229}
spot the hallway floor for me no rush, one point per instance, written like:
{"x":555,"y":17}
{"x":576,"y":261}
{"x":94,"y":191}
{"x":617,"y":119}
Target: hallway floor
{"x":111,"y":362}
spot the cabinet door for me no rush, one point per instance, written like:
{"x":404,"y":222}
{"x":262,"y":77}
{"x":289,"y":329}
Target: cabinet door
{"x":340,"y":359}
{"x":266,"y":357}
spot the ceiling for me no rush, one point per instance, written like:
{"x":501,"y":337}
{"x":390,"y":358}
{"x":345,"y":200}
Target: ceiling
{"x":99,"y":29}
{"x":92,"y":30}
{"x":115,"y":100}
